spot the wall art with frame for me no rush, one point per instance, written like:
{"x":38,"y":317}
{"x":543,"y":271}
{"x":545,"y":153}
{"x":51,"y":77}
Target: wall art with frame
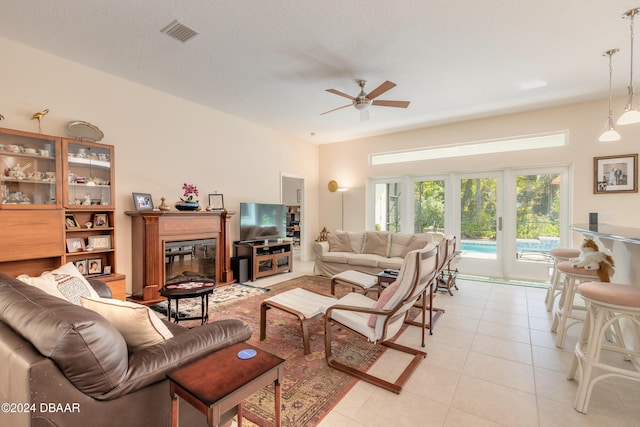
{"x":615,"y":174}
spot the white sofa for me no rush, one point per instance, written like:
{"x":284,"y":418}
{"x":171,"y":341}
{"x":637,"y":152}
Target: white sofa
{"x":369,"y":251}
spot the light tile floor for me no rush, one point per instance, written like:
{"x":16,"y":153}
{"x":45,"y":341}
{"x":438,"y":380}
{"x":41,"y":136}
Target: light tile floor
{"x":492,"y":361}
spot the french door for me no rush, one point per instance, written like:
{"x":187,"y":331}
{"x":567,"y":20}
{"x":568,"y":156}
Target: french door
{"x":506,"y":221}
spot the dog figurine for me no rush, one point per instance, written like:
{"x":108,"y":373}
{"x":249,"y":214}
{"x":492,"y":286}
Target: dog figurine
{"x":592,"y":259}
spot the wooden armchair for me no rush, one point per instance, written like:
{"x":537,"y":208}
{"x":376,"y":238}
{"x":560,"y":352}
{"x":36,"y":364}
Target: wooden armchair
{"x":381,"y":320}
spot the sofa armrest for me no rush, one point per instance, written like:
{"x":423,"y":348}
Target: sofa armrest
{"x":320,"y":248}
{"x":101,"y":288}
{"x":152,"y":364}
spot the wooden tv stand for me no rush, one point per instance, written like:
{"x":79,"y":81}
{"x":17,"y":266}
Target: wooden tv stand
{"x":266,"y":260}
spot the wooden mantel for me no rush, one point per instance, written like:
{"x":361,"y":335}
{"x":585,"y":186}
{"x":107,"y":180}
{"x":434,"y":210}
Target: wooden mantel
{"x":150,"y":231}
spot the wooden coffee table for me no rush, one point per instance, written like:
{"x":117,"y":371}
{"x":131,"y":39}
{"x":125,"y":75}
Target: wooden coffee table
{"x":219,"y":382}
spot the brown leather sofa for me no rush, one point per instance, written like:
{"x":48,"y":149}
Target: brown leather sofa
{"x":64,"y":365}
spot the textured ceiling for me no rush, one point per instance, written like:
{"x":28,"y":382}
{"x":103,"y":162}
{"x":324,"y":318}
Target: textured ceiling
{"x":270,"y":62}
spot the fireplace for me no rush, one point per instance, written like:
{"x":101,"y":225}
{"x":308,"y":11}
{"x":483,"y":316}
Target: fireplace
{"x":190,"y":260}
{"x":165,"y":245}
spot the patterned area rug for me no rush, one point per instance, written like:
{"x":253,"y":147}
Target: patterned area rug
{"x":310,"y":388}
{"x":225,"y":294}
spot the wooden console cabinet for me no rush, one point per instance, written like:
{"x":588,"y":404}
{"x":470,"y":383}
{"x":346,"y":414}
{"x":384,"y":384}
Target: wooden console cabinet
{"x":266,"y":260}
{"x":153,"y":229}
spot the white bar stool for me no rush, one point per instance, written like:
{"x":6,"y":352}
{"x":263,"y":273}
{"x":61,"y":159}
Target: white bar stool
{"x":555,"y":285}
{"x":607,"y":303}
{"x":568,"y":313}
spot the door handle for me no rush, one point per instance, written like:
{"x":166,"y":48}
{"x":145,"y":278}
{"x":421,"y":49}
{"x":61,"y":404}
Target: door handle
{"x":500,"y":223}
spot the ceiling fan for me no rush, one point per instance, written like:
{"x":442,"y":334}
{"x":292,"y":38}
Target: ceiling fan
{"x":363,"y":100}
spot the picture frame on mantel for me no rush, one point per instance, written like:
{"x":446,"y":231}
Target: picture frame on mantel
{"x":142,"y":201}
{"x":216,"y":202}
{"x":615,"y":174}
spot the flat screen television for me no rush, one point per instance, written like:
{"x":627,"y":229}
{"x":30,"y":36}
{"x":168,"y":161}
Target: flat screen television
{"x":262,"y":221}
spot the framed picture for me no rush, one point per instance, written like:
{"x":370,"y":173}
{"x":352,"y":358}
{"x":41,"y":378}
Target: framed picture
{"x":100,"y":242}
{"x":75,"y":244}
{"x":107,"y":269}
{"x":615,"y":174}
{"x":142,"y":201}
{"x":215,"y":202}
{"x":94,"y":266}
{"x":81,"y":266}
{"x":100,"y":220}
{"x":70,"y":221}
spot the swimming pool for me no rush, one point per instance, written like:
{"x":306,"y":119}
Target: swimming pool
{"x":543,"y":244}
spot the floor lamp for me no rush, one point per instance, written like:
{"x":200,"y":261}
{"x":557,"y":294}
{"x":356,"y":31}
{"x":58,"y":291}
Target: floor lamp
{"x":333,"y":187}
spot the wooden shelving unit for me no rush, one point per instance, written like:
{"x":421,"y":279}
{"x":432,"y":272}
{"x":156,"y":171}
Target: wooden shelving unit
{"x":44,"y":180}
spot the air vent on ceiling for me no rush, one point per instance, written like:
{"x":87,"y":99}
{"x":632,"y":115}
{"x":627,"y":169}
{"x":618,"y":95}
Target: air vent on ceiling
{"x":179,"y":31}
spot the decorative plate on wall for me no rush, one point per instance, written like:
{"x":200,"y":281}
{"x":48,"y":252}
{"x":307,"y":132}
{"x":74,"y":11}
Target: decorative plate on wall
{"x":85,"y":131}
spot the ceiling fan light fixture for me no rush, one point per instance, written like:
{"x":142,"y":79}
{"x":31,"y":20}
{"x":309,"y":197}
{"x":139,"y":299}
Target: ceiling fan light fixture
{"x":361,"y":104}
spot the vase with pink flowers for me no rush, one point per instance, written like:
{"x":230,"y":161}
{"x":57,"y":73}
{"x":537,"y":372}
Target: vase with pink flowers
{"x":188,"y":201}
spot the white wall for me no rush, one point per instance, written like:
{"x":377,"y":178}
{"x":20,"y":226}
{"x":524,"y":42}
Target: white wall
{"x":348,"y":164}
{"x":161,"y":141}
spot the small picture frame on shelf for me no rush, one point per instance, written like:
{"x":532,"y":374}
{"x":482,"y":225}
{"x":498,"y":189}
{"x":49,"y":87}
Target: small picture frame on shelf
{"x":81,"y":266}
{"x":100,"y":220}
{"x":142,"y":201}
{"x":94,"y":266}
{"x":107,"y":269}
{"x":71,"y":222}
{"x":75,"y":244}
{"x":100,"y":242}
{"x":615,"y":174}
{"x":216,"y":202}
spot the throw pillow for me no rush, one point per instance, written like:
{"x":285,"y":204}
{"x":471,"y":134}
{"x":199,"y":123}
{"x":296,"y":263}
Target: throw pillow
{"x":64,"y":282}
{"x":385,"y":296}
{"x":375,"y":243}
{"x":139,"y":326}
{"x":339,"y":242}
{"x":414,"y":244}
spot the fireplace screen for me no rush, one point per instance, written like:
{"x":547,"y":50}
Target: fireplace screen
{"x":190,"y":260}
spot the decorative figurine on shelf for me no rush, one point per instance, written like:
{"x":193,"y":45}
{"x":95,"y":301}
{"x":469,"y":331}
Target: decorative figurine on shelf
{"x":163,"y":206}
{"x":87,"y":200}
{"x":187,"y":201}
{"x":38,"y":116}
{"x":322,"y":237}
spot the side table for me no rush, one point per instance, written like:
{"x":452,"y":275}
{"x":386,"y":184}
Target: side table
{"x":189,"y":289}
{"x":219,"y":382}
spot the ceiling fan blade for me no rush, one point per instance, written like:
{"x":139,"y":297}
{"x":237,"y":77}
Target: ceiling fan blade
{"x":337,"y":92}
{"x":339,"y":108}
{"x":397,"y":104}
{"x":381,"y":89}
{"x":364,"y":115}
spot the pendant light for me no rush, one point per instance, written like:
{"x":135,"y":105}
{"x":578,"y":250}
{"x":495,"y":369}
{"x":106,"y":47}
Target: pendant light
{"x":631,"y":113}
{"x":609,"y":133}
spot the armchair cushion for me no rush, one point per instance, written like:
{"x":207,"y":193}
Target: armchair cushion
{"x":415,"y":243}
{"x":139,"y":326}
{"x":385,"y":296}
